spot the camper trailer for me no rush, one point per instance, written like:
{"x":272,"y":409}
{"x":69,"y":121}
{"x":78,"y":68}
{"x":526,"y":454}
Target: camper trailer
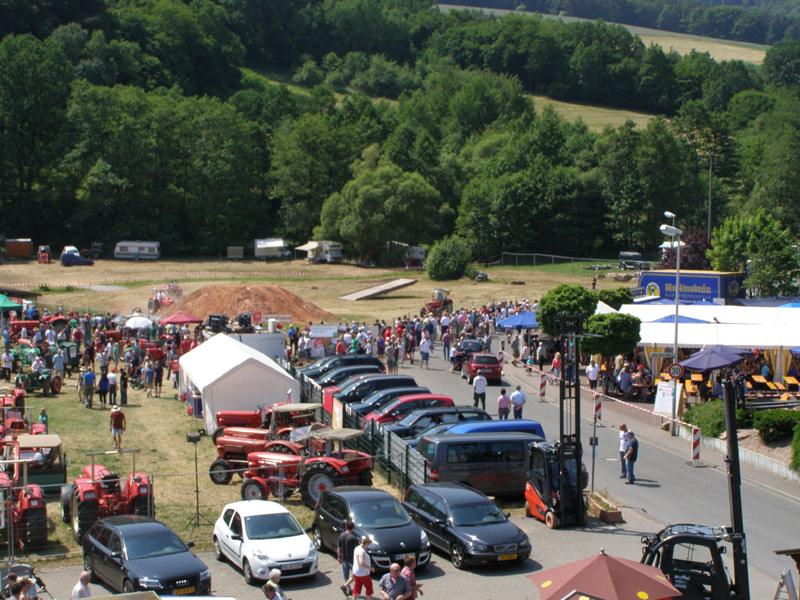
{"x":137,"y":250}
{"x":272,"y":249}
{"x":322,"y":252}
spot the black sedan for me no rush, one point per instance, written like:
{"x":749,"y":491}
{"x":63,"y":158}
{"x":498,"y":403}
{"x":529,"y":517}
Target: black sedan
{"x":375,"y":513}
{"x":346,"y":360}
{"x":133,"y":554}
{"x":340,"y":374}
{"x":466,"y":525}
{"x":377,"y":400}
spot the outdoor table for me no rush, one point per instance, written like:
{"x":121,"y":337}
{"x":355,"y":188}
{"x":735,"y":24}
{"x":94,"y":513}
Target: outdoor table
{"x":791,"y":382}
{"x":697,"y":377}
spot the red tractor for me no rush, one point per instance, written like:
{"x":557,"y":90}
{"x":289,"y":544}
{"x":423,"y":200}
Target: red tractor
{"x":438,"y":303}
{"x":23,"y":503}
{"x":99,"y":493}
{"x":43,"y":255}
{"x":14,"y":423}
{"x":281,"y":418}
{"x":282,"y":474}
{"x":237,"y":443}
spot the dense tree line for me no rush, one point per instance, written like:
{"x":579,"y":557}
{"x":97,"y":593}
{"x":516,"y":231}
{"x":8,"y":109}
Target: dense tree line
{"x":755,"y":21}
{"x":141,"y":119}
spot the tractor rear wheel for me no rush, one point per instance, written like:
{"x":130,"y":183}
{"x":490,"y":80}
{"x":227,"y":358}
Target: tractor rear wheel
{"x":66,"y":503}
{"x":217,"y":433}
{"x":317,"y":478}
{"x":220,"y":472}
{"x":55,"y":385}
{"x":253,"y":490}
{"x":144,"y":506}
{"x":35,"y":527}
{"x":84,"y":514}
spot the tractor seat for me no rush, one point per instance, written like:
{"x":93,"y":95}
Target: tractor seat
{"x":111,"y":483}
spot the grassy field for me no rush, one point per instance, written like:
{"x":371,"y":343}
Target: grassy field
{"x":595,"y":117}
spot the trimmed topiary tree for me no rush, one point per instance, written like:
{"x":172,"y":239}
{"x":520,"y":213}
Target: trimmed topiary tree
{"x":620,"y":334}
{"x":564,"y":300}
{"x":448,"y":259}
{"x":616,"y":298}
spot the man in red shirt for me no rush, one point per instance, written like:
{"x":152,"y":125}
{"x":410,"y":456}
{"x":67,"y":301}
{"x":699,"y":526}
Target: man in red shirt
{"x":117,"y":426}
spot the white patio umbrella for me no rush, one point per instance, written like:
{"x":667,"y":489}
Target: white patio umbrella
{"x":138,"y":323}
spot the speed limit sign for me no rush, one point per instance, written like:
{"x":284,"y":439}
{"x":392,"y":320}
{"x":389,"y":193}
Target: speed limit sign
{"x":676,"y":371}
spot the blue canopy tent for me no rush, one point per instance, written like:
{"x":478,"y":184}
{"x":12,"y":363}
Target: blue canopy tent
{"x":523,"y":320}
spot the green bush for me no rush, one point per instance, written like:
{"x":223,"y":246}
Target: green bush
{"x":308,"y":74}
{"x":708,"y":416}
{"x":744,"y":418}
{"x":776,"y":425}
{"x":795,"y":464}
{"x":448,"y":259}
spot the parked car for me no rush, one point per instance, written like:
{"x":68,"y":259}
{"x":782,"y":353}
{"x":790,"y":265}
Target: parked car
{"x":466,"y":525}
{"x":258,"y":536}
{"x":494,"y":463}
{"x":435,"y":430}
{"x":359,"y":390}
{"x":464,"y":349}
{"x":487,"y":365}
{"x":346,"y":360}
{"x":131,"y":554}
{"x":499,"y":426}
{"x":337,"y":376}
{"x":71,"y":257}
{"x":405,"y":405}
{"x":381,"y":398}
{"x":375,"y":513}
{"x":420,"y":420}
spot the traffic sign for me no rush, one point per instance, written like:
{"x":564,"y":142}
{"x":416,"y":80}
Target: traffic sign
{"x":676,"y":371}
{"x":257,"y":316}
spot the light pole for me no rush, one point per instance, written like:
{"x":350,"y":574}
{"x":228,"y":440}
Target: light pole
{"x":674,"y":232}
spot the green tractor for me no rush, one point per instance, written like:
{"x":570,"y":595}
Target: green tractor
{"x":43,"y":380}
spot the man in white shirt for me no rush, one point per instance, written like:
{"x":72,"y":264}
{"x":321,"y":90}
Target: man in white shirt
{"x":623,"y":440}
{"x":478,"y":390}
{"x":425,"y":351}
{"x":38,"y":365}
{"x":81,"y":589}
{"x":518,"y":400}
{"x":362,"y":568}
{"x":592,"y":373}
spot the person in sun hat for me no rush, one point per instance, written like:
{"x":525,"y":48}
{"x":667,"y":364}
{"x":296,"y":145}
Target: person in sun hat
{"x":118,"y":424}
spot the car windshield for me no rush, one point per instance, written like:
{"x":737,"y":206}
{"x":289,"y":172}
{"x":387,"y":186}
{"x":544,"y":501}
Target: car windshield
{"x":380,"y":514}
{"x":408,"y":420}
{"x":476,"y":513}
{"x":266,"y":527}
{"x":162,"y":543}
{"x":436,"y":429}
{"x":484,"y":360}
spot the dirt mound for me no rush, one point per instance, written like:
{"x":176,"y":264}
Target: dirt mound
{"x":234,"y":299}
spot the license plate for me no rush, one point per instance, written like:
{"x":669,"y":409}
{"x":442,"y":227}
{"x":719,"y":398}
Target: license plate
{"x":507,"y":557}
{"x":184,"y":591}
{"x":486,"y":370}
{"x":291,"y":566}
{"x":400,"y":557}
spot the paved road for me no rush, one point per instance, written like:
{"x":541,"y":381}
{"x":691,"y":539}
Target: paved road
{"x":669,"y":490}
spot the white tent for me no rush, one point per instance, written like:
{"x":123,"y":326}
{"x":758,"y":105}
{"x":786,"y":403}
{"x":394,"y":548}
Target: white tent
{"x":232,"y":376}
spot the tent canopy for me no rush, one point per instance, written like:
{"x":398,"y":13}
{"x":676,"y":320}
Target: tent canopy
{"x":7,"y":304}
{"x":523,"y":320}
{"x":681,"y":319}
{"x":233,"y":376}
{"x":308,"y":246}
{"x":180,"y":318}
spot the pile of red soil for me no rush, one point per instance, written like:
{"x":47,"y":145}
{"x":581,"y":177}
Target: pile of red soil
{"x":232,"y":300}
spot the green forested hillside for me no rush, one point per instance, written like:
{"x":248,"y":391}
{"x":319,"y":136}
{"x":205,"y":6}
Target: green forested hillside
{"x":148,"y":119}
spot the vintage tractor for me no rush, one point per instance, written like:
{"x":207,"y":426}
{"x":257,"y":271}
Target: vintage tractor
{"x":23,"y":503}
{"x":42,"y":380}
{"x":438,"y":303}
{"x":237,"y":443}
{"x":43,"y":255}
{"x":280,"y":418}
{"x":17,"y":327}
{"x":99,"y":493}
{"x":95,"y":252}
{"x":14,"y":423}
{"x":283,"y":474}
{"x":48,"y":462}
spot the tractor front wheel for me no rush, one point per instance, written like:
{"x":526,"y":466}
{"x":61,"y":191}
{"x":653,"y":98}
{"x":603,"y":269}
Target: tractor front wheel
{"x":84,"y":515}
{"x":55,"y":385}
{"x":66,"y":503}
{"x":35,"y":527}
{"x":217,"y":433}
{"x":220,"y":472}
{"x":253,"y":490}
{"x":316,"y":479}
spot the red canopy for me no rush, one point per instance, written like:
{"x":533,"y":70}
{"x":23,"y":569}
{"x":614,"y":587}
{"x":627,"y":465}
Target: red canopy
{"x":180,"y":318}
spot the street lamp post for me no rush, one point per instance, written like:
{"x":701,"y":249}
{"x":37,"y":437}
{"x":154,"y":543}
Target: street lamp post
{"x":674,"y":233}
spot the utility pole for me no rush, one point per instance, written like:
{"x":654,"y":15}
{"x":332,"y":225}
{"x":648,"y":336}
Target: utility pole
{"x":710,"y":158}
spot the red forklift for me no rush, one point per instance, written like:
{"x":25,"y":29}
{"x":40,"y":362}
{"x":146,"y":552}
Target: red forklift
{"x":556,"y":473}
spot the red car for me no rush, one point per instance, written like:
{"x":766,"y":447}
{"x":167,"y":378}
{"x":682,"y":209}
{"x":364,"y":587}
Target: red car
{"x":487,"y":365}
{"x":394,"y":411}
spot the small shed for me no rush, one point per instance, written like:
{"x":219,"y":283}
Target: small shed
{"x":230,"y":375}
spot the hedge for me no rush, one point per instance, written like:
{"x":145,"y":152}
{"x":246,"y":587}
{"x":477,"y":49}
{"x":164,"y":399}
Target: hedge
{"x":795,"y":464}
{"x":776,"y":425}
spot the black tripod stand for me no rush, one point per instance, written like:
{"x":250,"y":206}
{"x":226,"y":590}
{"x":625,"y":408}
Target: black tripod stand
{"x":195,"y":520}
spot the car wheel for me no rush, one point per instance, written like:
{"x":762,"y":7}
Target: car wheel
{"x":127,"y":587}
{"x":316,"y":535}
{"x":87,"y":566}
{"x":249,"y":578}
{"x":218,"y":551}
{"x":457,"y":556}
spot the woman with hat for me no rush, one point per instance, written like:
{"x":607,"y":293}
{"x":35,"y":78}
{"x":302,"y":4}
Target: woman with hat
{"x":117,"y":426}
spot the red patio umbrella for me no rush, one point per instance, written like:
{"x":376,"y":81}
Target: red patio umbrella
{"x":180,"y":318}
{"x":606,"y":577}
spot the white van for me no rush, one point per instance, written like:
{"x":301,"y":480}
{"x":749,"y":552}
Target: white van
{"x":138,"y":250}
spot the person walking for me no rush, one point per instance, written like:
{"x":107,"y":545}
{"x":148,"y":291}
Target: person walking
{"x":393,"y":586}
{"x":345,"y":547}
{"x":503,"y":405}
{"x":424,"y":351}
{"x":479,"y":390}
{"x":102,"y":389}
{"x":592,"y":374}
{"x":81,"y":589}
{"x":408,"y":572}
{"x":518,"y":400}
{"x":8,"y":364}
{"x":118,"y":425}
{"x":112,"y":386}
{"x":88,"y":386}
{"x":631,"y":455}
{"x":59,"y":364}
{"x":623,"y":439}
{"x":447,"y":339}
{"x":362,"y":569}
{"x":123,"y":388}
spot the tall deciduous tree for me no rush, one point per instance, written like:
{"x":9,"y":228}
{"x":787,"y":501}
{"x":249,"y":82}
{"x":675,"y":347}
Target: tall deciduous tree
{"x":619,"y":334}
{"x":564,"y":300}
